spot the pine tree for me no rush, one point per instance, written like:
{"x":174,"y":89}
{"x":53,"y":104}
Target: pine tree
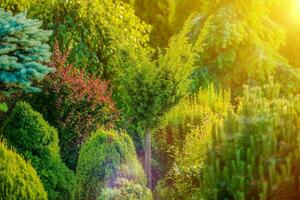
{"x":23,"y":52}
{"x":240,"y":42}
{"x":254,"y":153}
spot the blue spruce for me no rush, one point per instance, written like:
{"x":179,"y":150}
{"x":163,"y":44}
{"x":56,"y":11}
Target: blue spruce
{"x":23,"y":52}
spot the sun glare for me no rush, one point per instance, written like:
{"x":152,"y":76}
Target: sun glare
{"x":295,"y":11}
{"x":297,"y":5}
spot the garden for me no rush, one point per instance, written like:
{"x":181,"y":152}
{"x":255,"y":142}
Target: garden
{"x":149,"y":100}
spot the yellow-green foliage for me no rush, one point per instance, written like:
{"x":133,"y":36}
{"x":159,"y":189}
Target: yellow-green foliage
{"x":105,"y":157}
{"x":18,"y":179}
{"x":181,"y":142}
{"x":32,"y":137}
{"x":254,"y":153}
{"x":126,"y":190}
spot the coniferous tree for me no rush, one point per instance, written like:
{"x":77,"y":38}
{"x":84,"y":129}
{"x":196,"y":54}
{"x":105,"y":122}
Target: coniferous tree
{"x":23,"y":52}
{"x":254,"y":153}
{"x":241,"y":42}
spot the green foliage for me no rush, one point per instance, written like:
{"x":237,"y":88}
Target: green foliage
{"x":254,"y":153}
{"x":77,"y":105}
{"x":23,"y":52}
{"x":97,"y":32}
{"x":18,"y":179}
{"x":240,"y":43}
{"x":148,"y":88}
{"x":167,"y":17}
{"x":32,"y":137}
{"x":126,"y":190}
{"x":159,"y":14}
{"x":105,"y":157}
{"x":181,"y":141}
{"x":3,"y":107}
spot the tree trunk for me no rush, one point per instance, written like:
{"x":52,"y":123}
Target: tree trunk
{"x":148,"y":157}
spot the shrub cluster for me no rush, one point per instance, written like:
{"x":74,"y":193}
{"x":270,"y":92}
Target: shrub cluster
{"x":77,"y":104}
{"x":181,"y":140}
{"x":105,"y":157}
{"x":32,"y":137}
{"x":18,"y":179}
{"x":254,"y":153}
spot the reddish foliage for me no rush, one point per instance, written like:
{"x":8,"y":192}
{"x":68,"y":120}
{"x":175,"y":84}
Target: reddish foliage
{"x":77,"y":104}
{"x":81,"y":85}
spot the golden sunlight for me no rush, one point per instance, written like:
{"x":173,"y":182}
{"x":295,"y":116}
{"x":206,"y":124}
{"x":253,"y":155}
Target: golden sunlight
{"x":295,"y":11}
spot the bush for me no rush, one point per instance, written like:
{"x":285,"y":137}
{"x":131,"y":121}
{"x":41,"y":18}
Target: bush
{"x":23,"y":51}
{"x":181,"y":141}
{"x":26,"y":131}
{"x":106,"y":156}
{"x":126,"y":190}
{"x":254,"y":153}
{"x":18,"y":179}
{"x":77,"y":105}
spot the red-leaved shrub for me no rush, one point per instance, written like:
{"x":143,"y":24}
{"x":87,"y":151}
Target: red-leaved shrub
{"x":75,"y":103}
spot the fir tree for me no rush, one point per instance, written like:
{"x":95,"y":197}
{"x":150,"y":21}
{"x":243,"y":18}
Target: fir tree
{"x":241,"y":42}
{"x":23,"y":52}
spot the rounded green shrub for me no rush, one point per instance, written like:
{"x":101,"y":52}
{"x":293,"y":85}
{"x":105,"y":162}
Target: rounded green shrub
{"x":105,"y":157}
{"x":18,"y":179}
{"x":27,"y":131}
{"x":126,"y":190}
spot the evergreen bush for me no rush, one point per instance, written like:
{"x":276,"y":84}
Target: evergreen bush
{"x":254,"y":153}
{"x":105,"y":157}
{"x":126,"y":190}
{"x":23,"y":52}
{"x":18,"y":179}
{"x":32,"y":137}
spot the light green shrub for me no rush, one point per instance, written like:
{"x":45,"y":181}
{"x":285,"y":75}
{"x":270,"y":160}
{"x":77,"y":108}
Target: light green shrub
{"x":32,"y":137}
{"x":104,"y":157}
{"x":126,"y":190}
{"x":180,"y":145}
{"x":18,"y":179}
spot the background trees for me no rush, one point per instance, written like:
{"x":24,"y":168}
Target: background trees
{"x":241,"y":42}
